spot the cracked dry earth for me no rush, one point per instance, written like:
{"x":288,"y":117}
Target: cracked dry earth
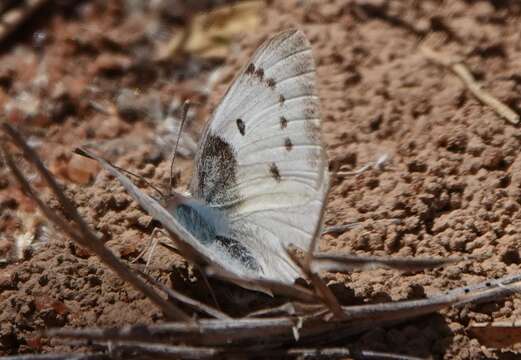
{"x":453,"y":181}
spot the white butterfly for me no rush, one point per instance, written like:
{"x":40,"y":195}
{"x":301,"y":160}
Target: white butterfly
{"x":261,"y":177}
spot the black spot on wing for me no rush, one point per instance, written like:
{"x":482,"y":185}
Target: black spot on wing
{"x":241,"y":126}
{"x":238,"y":251}
{"x":250,"y":69}
{"x":283,"y":122}
{"x":217,"y":171}
{"x":259,"y":73}
{"x":288,"y":144}
{"x":281,"y":99}
{"x":274,"y":171}
{"x":271,"y":83}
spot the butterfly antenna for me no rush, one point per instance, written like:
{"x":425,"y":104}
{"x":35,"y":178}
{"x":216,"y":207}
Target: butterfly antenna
{"x":79,"y":151}
{"x":186,"y":107}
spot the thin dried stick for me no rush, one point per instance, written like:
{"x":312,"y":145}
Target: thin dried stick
{"x":84,"y":236}
{"x":287,"y":309}
{"x":341,"y":353}
{"x":461,"y":70}
{"x":58,"y":357}
{"x":327,"y":295}
{"x":349,"y":262}
{"x":215,"y":331}
{"x":187,"y":352}
{"x":136,"y":350}
{"x":321,"y":289}
{"x":484,"y":285}
{"x":357,"y":319}
{"x":194,"y":304}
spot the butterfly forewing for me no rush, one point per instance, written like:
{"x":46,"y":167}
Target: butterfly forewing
{"x":261,"y":158}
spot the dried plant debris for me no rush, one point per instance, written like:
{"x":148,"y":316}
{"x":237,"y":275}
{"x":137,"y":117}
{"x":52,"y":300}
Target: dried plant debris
{"x":209,"y":34}
{"x":80,"y":232}
{"x":462,"y":71}
{"x":308,"y":326}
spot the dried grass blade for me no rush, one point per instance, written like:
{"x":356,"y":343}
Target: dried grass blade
{"x":407,"y":309}
{"x":484,"y":285}
{"x":136,"y":350}
{"x":58,"y":357}
{"x":84,"y":236}
{"x":215,"y":331}
{"x":342,"y":353}
{"x":348,"y":262}
{"x":462,"y":71}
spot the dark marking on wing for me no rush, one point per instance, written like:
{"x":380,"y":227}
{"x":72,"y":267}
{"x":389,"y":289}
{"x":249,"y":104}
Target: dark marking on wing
{"x":250,"y":69}
{"x":238,"y":251}
{"x":283,"y":122}
{"x":271,"y":83}
{"x":217,"y":172}
{"x":288,"y":144}
{"x":241,"y":126}
{"x":259,"y":73}
{"x":274,"y":171}
{"x":281,"y":99}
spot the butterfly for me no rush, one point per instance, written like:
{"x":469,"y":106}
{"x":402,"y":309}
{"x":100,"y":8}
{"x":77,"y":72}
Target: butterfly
{"x":261,"y":178}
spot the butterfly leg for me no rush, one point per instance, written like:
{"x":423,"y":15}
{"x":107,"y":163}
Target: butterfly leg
{"x":150,"y":248}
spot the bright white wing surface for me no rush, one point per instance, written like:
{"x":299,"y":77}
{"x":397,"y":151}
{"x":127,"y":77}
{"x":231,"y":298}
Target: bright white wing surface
{"x":261,"y":159}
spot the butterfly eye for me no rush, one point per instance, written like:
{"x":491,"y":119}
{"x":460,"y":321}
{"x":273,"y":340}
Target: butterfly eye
{"x":241,"y":126}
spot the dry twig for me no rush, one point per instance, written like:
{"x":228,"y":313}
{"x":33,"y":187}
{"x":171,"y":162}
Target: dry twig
{"x":461,"y":70}
{"x":348,"y":262}
{"x":82,"y":233}
{"x":276,"y":334}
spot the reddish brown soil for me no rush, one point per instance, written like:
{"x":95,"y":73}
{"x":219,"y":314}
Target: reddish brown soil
{"x":454,"y":180}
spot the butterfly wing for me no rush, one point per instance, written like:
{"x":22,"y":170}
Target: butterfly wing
{"x":261,"y":158}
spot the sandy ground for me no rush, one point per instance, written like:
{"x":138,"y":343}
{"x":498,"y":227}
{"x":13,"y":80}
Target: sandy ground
{"x":453,"y":180}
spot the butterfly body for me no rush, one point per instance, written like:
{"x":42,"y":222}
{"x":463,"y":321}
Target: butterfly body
{"x":261,"y":178}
